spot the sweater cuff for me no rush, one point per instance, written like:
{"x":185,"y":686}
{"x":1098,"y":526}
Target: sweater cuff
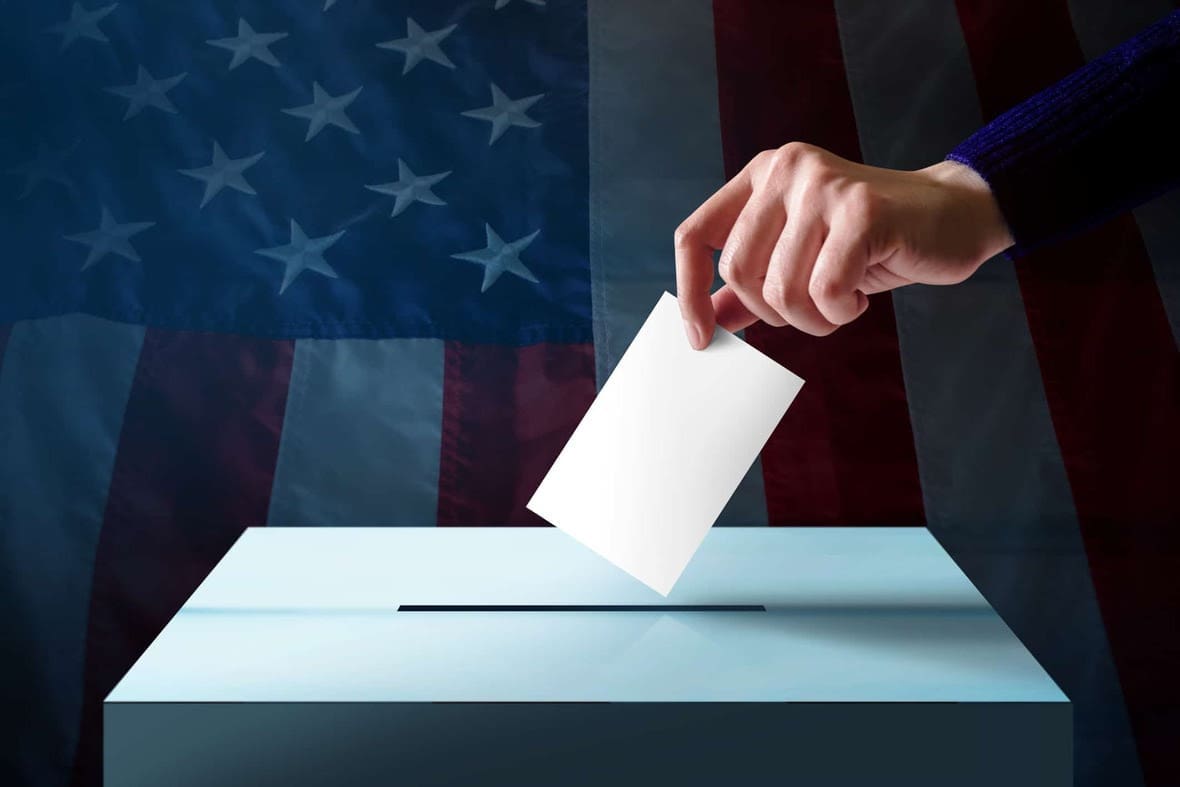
{"x":1090,"y":146}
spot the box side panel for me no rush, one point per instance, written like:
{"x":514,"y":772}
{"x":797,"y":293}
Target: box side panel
{"x":829,"y":745}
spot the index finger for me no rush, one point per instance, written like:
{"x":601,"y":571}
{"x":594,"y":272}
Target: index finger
{"x":702,"y":233}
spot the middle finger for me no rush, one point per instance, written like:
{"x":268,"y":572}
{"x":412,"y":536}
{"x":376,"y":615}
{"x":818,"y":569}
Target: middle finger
{"x":747,"y":251}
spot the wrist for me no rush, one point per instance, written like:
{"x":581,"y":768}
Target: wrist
{"x":969,"y":190}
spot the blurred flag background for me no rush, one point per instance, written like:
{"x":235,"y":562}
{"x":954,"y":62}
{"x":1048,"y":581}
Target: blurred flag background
{"x":367,"y":261}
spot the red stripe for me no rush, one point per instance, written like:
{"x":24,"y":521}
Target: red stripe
{"x":194,"y":467}
{"x":1112,"y":379}
{"x":507,"y":412}
{"x":844,"y":454}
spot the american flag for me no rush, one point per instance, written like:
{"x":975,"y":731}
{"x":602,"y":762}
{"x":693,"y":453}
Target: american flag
{"x":339,"y":262}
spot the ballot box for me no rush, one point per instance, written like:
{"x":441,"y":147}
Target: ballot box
{"x":515,"y":656}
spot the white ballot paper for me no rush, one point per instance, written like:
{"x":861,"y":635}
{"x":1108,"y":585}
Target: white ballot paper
{"x":663,"y":447}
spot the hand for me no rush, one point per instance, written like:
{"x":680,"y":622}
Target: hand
{"x":805,"y":236}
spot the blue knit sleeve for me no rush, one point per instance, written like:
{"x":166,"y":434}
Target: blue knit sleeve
{"x":1102,"y":140}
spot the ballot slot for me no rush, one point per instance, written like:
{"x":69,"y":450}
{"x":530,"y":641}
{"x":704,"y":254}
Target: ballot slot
{"x":581,"y":608}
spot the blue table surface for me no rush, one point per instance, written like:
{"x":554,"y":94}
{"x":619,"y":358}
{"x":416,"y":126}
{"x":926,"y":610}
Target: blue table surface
{"x":852,"y":615}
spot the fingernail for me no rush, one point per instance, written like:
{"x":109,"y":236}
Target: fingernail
{"x":694,"y":336}
{"x":698,"y":337}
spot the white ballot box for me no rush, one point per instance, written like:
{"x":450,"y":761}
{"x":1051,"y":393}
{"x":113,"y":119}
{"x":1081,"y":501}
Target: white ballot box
{"x":515,"y":656}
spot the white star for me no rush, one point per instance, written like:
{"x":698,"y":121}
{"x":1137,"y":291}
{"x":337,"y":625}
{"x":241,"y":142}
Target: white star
{"x":324,"y":110}
{"x":420,"y":44}
{"x":82,"y":24}
{"x":47,"y":166}
{"x":147,"y":92}
{"x":501,"y":3}
{"x":249,"y":44}
{"x":505,"y":112}
{"x":499,"y":257}
{"x":302,"y":253}
{"x":110,"y":238}
{"x":224,"y":171}
{"x":410,"y":188}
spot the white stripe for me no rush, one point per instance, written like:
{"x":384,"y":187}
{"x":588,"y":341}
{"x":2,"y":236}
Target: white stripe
{"x":655,"y":155}
{"x":1100,"y":26}
{"x":361,"y":435}
{"x":64,"y":385}
{"x":993,"y":479}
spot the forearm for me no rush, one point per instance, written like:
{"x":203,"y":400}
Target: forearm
{"x":1100,"y":141}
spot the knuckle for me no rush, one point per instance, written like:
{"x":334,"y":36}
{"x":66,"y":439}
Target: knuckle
{"x":823,"y":288}
{"x":725,"y":272}
{"x":686,"y":234}
{"x":793,"y":152}
{"x":788,"y":157}
{"x":775,"y":296}
{"x":764,"y":158}
{"x":734,"y":262}
{"x":820,"y":169}
{"x":800,"y":311}
{"x":725,"y":260}
{"x":784,"y":161}
{"x":732,"y":272}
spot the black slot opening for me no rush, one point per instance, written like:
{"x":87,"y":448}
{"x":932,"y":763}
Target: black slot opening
{"x":581,"y":608}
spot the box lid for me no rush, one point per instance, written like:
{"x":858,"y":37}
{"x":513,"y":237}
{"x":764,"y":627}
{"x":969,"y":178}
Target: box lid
{"x":760,"y":614}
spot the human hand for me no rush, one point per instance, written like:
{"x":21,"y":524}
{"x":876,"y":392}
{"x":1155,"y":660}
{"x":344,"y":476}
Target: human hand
{"x":805,"y":236}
